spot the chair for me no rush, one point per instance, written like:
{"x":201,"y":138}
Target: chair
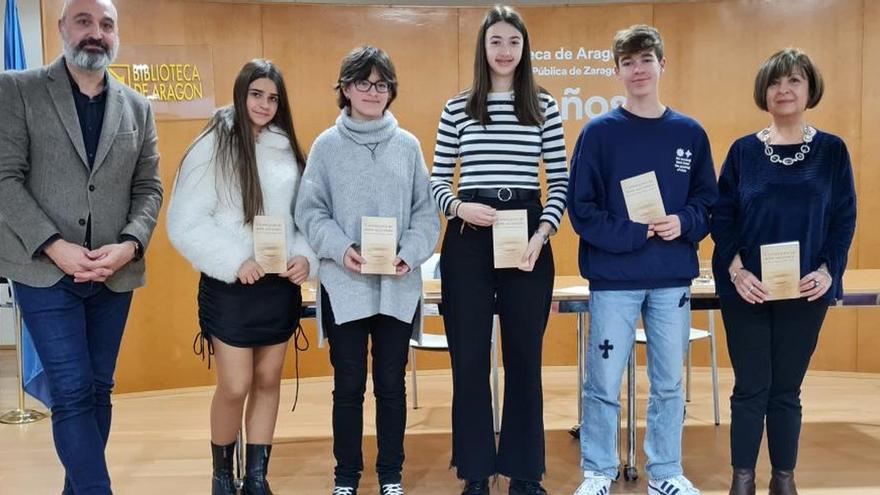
{"x":630,"y":472}
{"x":7,"y":320}
{"x":437,"y":342}
{"x":696,"y":334}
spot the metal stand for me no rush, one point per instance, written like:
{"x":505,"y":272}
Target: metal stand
{"x":415,"y":378}
{"x":575,"y":431}
{"x":496,"y":406}
{"x":714,"y":366}
{"x":581,"y":363}
{"x":630,"y":471}
{"x":239,"y":460}
{"x":21,"y":415}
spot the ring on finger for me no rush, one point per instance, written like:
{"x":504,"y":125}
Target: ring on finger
{"x":750,"y":288}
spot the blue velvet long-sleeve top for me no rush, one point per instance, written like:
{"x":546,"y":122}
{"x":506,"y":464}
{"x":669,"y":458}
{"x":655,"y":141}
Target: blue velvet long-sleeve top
{"x":812,"y":202}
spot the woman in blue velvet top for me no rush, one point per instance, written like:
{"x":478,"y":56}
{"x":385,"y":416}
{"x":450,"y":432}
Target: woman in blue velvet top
{"x":787,"y":182}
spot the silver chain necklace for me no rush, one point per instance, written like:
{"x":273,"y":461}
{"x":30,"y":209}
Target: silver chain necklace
{"x":764,"y":137}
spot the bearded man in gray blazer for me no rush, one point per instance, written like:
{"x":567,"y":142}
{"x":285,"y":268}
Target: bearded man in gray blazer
{"x":79,"y":196}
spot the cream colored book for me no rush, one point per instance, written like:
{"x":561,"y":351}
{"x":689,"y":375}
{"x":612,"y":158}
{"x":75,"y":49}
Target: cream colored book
{"x":270,"y":243}
{"x":510,"y":238}
{"x":642,"y":196}
{"x":781,"y":270}
{"x":378,"y":245}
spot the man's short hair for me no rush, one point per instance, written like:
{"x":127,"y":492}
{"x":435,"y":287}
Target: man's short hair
{"x":636,"y":39}
{"x":784,"y":63}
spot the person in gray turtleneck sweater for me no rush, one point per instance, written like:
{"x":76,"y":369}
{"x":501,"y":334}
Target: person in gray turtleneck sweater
{"x":366,"y":165}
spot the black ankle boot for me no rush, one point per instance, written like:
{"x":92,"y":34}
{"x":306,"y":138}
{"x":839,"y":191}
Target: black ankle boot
{"x":478,"y":487}
{"x":782,"y":483}
{"x":743,"y":482}
{"x":523,"y":487}
{"x":257,"y":466}
{"x":222,"y":483}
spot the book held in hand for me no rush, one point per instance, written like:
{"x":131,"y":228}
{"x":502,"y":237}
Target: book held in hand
{"x":510,"y":238}
{"x":378,"y":245}
{"x":781,"y":270}
{"x":641,"y":194}
{"x":270,"y":243}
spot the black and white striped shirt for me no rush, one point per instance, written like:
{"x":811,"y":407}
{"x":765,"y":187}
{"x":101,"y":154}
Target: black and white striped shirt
{"x":504,"y":153}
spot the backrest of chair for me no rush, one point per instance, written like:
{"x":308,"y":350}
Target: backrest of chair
{"x":431,"y":267}
{"x":431,"y":270}
{"x":5,"y":293}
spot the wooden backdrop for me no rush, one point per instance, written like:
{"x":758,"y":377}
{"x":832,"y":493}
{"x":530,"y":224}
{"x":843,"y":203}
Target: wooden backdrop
{"x":713,"y":52}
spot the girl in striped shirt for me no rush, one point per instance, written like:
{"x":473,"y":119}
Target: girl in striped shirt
{"x":498,"y":132}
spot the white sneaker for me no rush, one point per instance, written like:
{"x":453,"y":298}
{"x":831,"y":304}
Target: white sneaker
{"x":594,"y":484}
{"x":677,"y":485}
{"x":391,"y":489}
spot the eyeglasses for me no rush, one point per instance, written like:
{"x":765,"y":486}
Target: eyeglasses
{"x":364,"y":86}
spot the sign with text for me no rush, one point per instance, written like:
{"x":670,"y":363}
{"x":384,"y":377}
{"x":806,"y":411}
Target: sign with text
{"x":177,"y":79}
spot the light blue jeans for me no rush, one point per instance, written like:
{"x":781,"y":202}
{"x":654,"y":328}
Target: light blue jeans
{"x":613,"y":316}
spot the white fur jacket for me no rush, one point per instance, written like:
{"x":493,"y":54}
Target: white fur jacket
{"x":206,"y":220}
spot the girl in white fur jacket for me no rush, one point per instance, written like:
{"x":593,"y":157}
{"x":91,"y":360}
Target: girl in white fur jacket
{"x":247,"y":162}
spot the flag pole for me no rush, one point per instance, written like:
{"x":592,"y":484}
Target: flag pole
{"x":20,"y":415}
{"x":13,"y":58}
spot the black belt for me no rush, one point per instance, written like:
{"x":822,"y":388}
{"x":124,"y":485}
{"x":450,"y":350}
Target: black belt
{"x":501,"y":194}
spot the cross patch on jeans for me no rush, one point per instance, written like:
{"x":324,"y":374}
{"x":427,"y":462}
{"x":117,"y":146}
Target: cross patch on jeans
{"x":684,"y":299}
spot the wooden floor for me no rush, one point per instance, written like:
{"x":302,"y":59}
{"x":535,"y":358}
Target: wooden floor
{"x":159,"y":443}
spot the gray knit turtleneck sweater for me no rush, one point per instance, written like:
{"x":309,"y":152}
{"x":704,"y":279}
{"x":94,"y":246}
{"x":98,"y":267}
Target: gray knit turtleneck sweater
{"x":371,"y":168}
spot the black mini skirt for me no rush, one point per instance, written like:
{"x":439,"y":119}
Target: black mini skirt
{"x":261,"y":314}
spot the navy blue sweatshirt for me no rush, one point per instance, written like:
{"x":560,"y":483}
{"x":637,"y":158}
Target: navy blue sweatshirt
{"x":812,"y":202}
{"x":614,"y":252}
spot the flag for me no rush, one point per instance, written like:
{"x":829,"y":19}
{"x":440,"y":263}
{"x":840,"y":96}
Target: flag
{"x":33,"y":378}
{"x":13,"y":55}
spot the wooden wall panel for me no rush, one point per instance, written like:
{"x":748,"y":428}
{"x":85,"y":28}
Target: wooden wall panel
{"x":157,"y":346}
{"x":167,"y":309}
{"x":571,"y":28}
{"x":552,"y":28}
{"x":869,"y":179}
{"x":713,"y":51}
{"x":469,"y":19}
{"x":425,"y":62}
{"x":296,"y":38}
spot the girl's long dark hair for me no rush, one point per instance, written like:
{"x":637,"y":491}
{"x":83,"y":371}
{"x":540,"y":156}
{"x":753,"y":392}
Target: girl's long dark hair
{"x":526,"y":103}
{"x":235,"y":148}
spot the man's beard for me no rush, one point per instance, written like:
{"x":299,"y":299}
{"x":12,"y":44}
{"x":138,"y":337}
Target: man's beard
{"x":85,"y":60}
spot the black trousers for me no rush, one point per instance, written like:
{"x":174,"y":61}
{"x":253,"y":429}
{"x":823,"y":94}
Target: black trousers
{"x":348,"y":355}
{"x":473,"y":290}
{"x":770,"y":347}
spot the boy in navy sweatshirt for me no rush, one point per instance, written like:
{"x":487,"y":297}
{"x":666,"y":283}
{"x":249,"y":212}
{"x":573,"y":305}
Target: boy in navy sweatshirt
{"x":640,"y":267}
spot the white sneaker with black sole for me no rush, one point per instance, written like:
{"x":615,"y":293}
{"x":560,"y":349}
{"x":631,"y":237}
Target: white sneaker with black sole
{"x":594,"y":484}
{"x":677,"y":485}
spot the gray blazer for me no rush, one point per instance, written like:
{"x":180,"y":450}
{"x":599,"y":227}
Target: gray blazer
{"x":47,"y":188}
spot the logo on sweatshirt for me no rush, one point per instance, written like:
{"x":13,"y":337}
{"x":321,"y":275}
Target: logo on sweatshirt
{"x":683,"y":160}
